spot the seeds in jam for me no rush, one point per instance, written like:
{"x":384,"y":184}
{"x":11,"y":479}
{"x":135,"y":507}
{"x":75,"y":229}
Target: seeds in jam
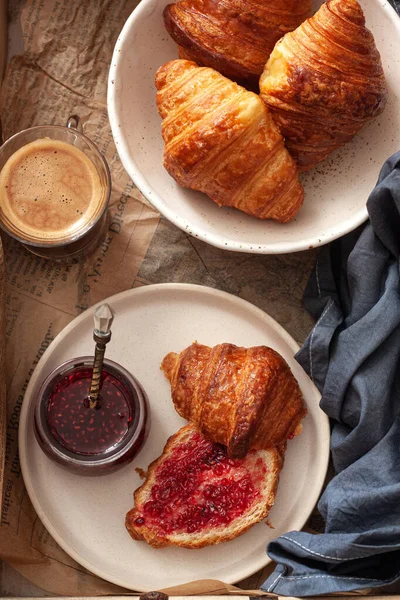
{"x":199,"y":486}
{"x":86,"y":430}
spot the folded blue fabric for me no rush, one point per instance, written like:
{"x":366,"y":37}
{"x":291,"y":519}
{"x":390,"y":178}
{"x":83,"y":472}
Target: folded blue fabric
{"x":353,"y":356}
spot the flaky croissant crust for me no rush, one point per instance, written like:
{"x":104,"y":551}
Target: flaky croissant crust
{"x":221,"y":140}
{"x":235,"y":37}
{"x":243,"y":398}
{"x":323,"y":81}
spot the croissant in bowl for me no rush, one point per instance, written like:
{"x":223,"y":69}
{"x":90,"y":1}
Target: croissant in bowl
{"x":324,"y":81}
{"x":244,"y":398}
{"x":235,"y":37}
{"x":221,"y":140}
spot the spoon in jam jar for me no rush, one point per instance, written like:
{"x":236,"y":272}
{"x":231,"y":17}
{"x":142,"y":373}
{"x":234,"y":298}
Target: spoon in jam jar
{"x":103,"y":318}
{"x":91,"y":414}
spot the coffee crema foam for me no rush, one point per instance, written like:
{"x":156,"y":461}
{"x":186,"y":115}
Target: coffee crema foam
{"x":49,"y":190}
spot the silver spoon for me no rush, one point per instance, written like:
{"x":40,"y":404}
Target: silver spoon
{"x":103,"y":318}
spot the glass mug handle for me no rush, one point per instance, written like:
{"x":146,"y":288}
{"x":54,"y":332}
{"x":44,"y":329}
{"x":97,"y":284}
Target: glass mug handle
{"x":74,"y":122}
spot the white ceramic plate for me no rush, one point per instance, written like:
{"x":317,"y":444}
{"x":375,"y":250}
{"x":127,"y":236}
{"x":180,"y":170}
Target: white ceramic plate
{"x":89,"y":522}
{"x":336,"y":191}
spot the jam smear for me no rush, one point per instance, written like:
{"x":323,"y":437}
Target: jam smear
{"x":80,"y":428}
{"x":199,"y":486}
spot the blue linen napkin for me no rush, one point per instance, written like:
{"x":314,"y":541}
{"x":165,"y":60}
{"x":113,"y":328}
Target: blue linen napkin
{"x":395,"y":4}
{"x":353,"y":356}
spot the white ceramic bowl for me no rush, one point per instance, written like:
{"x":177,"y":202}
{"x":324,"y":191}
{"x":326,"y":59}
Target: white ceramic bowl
{"x":336,"y":191}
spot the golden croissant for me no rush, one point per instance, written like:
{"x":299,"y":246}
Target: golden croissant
{"x":235,"y":37}
{"x":221,"y":140}
{"x":323,"y":81}
{"x":244,"y":398}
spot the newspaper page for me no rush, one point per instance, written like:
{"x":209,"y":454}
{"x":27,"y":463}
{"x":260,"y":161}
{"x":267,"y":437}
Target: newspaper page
{"x":68,"y":46}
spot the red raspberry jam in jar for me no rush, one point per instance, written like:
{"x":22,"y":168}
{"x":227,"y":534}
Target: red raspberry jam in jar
{"x":91,"y":440}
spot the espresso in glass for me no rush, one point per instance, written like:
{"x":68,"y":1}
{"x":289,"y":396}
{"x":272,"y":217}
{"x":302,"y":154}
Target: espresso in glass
{"x":54,"y":191}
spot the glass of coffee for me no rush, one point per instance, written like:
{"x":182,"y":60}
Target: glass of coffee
{"x":54,"y":190}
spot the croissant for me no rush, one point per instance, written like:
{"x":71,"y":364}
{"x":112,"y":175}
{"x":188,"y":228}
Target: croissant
{"x":323,"y":81}
{"x":220,"y":139}
{"x":235,"y":37}
{"x":194,"y":495}
{"x":244,"y":398}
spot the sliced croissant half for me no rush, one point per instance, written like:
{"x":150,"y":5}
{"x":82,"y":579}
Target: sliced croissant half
{"x":235,"y":37}
{"x":196,"y":496}
{"x":221,"y":140}
{"x":323,"y":81}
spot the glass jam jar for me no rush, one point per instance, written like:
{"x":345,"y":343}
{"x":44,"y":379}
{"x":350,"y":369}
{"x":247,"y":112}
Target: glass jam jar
{"x":91,"y":440}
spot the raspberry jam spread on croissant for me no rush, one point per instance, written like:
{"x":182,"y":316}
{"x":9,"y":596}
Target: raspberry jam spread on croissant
{"x":198,"y":487}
